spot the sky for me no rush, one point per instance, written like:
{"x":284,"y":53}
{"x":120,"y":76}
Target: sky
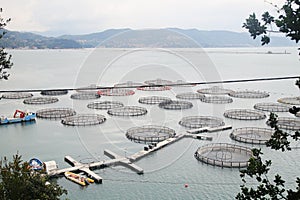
{"x":57,"y":17}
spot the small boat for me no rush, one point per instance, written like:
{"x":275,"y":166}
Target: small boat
{"x":35,"y":164}
{"x":79,"y":179}
{"x":19,"y":116}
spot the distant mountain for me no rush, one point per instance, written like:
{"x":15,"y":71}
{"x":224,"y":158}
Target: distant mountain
{"x":128,"y":38}
{"x":26,"y":40}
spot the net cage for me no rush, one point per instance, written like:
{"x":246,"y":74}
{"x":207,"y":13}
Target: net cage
{"x":152,"y":87}
{"x":116,"y":92}
{"x":149,"y":134}
{"x":40,"y":100}
{"x":224,"y":155}
{"x":105,"y":105}
{"x":217,"y":99}
{"x":288,"y":123}
{"x":90,"y":88}
{"x":158,"y":81}
{"x":54,"y":92}
{"x":272,"y":107}
{"x":181,"y":83}
{"x":175,"y":105}
{"x":252,"y":135}
{"x":84,"y":120}
{"x":55,"y":113}
{"x":153,"y":99}
{"x":128,"y":111}
{"x":244,"y":114}
{"x":290,"y":100}
{"x":201,"y":121}
{"x":16,"y":95}
{"x":190,"y":95}
{"x":215,"y":90}
{"x":85,"y":95}
{"x":249,"y":94}
{"x":130,"y":84}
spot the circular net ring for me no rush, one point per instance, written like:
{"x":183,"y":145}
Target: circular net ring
{"x":215,"y":90}
{"x":85,"y":95}
{"x":288,"y":123}
{"x":290,"y":100}
{"x":190,"y":96}
{"x":249,"y":94}
{"x":252,"y":135}
{"x":158,"y":82}
{"x":153,"y":99}
{"x":224,"y":155}
{"x":54,"y":92}
{"x":272,"y":107}
{"x":105,"y":105}
{"x":129,"y":84}
{"x":244,"y":114}
{"x":149,"y":134}
{"x":116,"y":92}
{"x":127,"y":111}
{"x":41,"y":100}
{"x":195,"y":122}
{"x":217,"y":99}
{"x":84,"y":120}
{"x":16,"y":95}
{"x":175,"y":105}
{"x":154,"y":88}
{"x":55,"y":113}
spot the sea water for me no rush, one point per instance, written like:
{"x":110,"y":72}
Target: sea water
{"x":169,"y":169}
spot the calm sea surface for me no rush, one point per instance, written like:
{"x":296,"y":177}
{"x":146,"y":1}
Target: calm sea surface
{"x":167,"y":170}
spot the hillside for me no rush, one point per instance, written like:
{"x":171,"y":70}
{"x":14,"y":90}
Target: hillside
{"x":128,"y":38}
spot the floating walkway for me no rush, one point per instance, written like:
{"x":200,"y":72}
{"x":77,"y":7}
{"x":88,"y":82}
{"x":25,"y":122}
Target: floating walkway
{"x":128,"y":162}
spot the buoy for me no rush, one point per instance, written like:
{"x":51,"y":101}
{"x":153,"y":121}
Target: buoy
{"x":186,"y":185}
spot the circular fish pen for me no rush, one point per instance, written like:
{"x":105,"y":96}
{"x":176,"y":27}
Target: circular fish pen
{"x":90,"y":88}
{"x":16,"y":95}
{"x":252,"y":135}
{"x":175,"y":105}
{"x":224,"y":155}
{"x":217,"y":99}
{"x":41,"y":100}
{"x":190,"y":95}
{"x":149,"y":134}
{"x":288,"y":123}
{"x":55,"y":113}
{"x":85,"y":95}
{"x":158,"y":82}
{"x":154,"y":88}
{"x":128,"y":111}
{"x":249,"y":94}
{"x":116,"y":92}
{"x":129,"y":84}
{"x":290,"y":100}
{"x":181,"y":83}
{"x":215,"y":90}
{"x":153,"y":99}
{"x":54,"y":92}
{"x":105,"y":105}
{"x":244,"y":114}
{"x":84,"y":120}
{"x":272,"y":107}
{"x":201,"y":121}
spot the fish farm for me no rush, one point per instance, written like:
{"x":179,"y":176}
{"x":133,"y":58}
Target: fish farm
{"x":272,"y":107}
{"x":217,"y":99}
{"x":85,"y":95}
{"x":84,"y":120}
{"x":190,"y":96}
{"x":116,"y":92}
{"x":55,"y":113}
{"x":201,"y":121}
{"x":40,"y":100}
{"x":290,"y":100}
{"x":175,"y":105}
{"x":215,"y":90}
{"x":54,"y":92}
{"x":153,"y":99}
{"x":252,"y":135}
{"x":16,"y":95}
{"x":105,"y":105}
{"x":128,"y":111}
{"x":249,"y":94}
{"x":244,"y":114}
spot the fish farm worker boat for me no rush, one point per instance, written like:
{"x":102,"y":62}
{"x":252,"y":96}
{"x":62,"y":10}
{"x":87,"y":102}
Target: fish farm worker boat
{"x":79,"y":179}
{"x":19,"y":116}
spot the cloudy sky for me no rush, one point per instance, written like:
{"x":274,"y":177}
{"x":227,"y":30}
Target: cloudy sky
{"x":86,"y":16}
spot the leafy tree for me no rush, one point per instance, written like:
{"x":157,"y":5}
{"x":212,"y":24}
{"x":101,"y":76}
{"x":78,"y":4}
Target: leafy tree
{"x":288,"y":22}
{"x":18,"y":181}
{"x":5,"y":58}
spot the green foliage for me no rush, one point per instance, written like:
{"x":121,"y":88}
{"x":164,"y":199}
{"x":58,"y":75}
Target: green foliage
{"x":5,"y":59}
{"x":18,"y":181}
{"x":287,"y":22}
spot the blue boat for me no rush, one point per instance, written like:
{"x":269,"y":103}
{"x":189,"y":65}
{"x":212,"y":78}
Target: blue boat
{"x":18,"y":117}
{"x":35,"y":164}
